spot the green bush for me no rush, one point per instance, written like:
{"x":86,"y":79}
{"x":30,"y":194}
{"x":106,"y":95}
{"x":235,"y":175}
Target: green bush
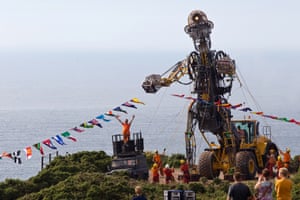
{"x":197,"y":187}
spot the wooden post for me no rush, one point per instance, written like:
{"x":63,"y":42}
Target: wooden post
{"x":49,"y":159}
{"x":42,"y":162}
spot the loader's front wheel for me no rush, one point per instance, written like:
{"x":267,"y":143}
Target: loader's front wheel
{"x":207,"y":165}
{"x":246,"y":164}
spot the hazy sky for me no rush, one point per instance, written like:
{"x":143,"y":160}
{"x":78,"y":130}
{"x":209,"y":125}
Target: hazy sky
{"x":60,"y":50}
{"x":145,"y":25}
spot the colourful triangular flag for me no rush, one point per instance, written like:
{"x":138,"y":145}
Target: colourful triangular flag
{"x":95,"y":123}
{"x":77,"y":129}
{"x":16,"y":156}
{"x":103,"y":118}
{"x":129,"y":105}
{"x":86,"y":125}
{"x":283,"y":119}
{"x":59,"y":140}
{"x":39,"y":147}
{"x":191,"y":98}
{"x":110,"y":113}
{"x":28,"y":152}
{"x":119,"y":109}
{"x":257,"y":113}
{"x":6,"y":155}
{"x":270,"y":116}
{"x":178,"y":95}
{"x":49,"y":144}
{"x":225,"y":105}
{"x":68,"y":135}
{"x":236,"y":106}
{"x":245,"y":109}
{"x":136,"y":100}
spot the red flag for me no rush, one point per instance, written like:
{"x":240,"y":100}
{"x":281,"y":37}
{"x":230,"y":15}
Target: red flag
{"x":5,"y":154}
{"x":49,"y":144}
{"x":178,"y":95}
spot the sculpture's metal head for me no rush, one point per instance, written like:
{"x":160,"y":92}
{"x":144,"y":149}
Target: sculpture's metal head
{"x":199,"y":29}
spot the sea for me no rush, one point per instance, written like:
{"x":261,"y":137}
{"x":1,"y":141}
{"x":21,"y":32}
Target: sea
{"x":55,"y":92}
{"x":162,"y":128}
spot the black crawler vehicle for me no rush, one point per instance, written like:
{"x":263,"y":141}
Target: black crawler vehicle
{"x":130,"y":157}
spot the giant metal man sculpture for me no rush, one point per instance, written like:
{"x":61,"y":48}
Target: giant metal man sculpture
{"x":212,"y":73}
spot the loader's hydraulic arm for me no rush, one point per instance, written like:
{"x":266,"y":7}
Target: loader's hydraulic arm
{"x":155,"y":81}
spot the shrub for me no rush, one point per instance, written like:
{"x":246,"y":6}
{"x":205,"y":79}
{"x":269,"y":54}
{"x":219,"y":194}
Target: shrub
{"x":197,"y":187}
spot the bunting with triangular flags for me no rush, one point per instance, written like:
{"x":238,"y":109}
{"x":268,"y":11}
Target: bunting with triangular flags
{"x":246,"y":109}
{"x":16,"y":156}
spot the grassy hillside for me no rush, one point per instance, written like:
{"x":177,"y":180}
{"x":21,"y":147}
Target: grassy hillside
{"x":82,"y":176}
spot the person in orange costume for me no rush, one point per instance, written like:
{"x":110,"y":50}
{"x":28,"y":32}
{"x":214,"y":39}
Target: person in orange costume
{"x":279,"y":164}
{"x":156,"y":159}
{"x":169,"y":174}
{"x":126,"y":128}
{"x":271,"y":162}
{"x":155,"y":173}
{"x":184,"y":167}
{"x":286,"y":157}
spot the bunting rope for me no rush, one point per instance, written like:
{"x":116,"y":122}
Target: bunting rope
{"x":237,"y":107}
{"x":48,"y":142}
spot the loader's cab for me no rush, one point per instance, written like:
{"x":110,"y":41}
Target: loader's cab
{"x":247,"y":130}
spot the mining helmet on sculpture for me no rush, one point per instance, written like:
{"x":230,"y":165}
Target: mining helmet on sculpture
{"x":199,"y":29}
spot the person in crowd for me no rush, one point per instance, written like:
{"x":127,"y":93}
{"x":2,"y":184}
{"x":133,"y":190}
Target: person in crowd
{"x":138,"y":194}
{"x":126,"y":128}
{"x":155,"y":173}
{"x":264,"y":186}
{"x":157,"y":159}
{"x":184,"y":167}
{"x":283,"y":185}
{"x":279,"y":164}
{"x":286,"y":157}
{"x":168,"y":174}
{"x":239,"y":190}
{"x":271,"y":163}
